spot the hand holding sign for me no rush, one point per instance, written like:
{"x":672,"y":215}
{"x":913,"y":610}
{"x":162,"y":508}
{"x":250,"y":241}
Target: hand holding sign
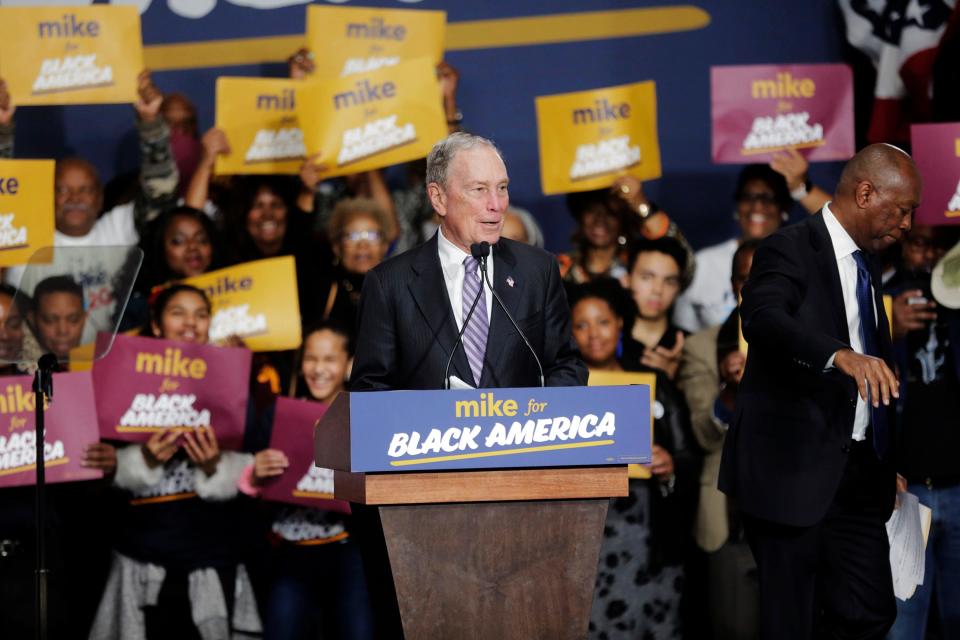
{"x":202,"y":449}
{"x":160,"y":447}
{"x":758,"y":110}
{"x":269,"y":463}
{"x":6,"y":105}
{"x":100,"y":455}
{"x":936,"y":150}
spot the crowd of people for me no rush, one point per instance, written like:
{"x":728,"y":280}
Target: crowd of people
{"x":175,"y":541}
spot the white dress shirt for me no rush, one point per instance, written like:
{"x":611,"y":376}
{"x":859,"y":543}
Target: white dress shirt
{"x":451,"y":261}
{"x":843,"y":248}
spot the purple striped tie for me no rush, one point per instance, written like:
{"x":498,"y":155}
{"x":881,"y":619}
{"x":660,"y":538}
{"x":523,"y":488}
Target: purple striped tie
{"x":475,"y":335}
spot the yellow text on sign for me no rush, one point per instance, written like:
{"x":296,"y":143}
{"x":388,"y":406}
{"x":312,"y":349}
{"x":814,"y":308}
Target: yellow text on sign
{"x":351,"y":40}
{"x":617,"y":378}
{"x":377,"y":119}
{"x":256,"y":302}
{"x":71,"y":55}
{"x":589,"y":138}
{"x":26,"y":209}
{"x":261,"y":118}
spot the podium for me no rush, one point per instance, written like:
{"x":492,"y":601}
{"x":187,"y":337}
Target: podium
{"x":498,"y":534}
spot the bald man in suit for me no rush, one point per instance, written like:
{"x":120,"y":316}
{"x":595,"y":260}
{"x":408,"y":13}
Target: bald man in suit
{"x":809,"y":454}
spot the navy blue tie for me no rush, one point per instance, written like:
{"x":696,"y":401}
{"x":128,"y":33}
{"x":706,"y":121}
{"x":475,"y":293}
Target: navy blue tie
{"x":871,"y":347}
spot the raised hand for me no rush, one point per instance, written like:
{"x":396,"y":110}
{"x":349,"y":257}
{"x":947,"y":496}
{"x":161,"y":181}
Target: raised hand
{"x":149,"y":98}
{"x":300,"y":64}
{"x":791,"y":164}
{"x":6,"y":105}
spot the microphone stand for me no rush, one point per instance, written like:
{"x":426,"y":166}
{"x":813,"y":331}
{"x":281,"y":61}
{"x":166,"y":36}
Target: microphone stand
{"x":43,"y":390}
{"x":486,"y":279}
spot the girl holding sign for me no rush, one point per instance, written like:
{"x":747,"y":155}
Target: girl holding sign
{"x":318,"y":581}
{"x":182,"y":532}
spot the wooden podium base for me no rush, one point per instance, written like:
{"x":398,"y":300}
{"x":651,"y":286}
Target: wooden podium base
{"x":495,"y":570}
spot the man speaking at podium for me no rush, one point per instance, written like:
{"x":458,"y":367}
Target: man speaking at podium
{"x":809,"y":457}
{"x":413,"y":306}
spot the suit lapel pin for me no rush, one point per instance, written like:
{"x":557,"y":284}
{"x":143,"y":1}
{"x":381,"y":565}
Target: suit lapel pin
{"x":509,"y":281}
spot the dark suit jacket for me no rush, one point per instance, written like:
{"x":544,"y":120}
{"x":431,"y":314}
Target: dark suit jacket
{"x":407,"y":328}
{"x":787,"y":448}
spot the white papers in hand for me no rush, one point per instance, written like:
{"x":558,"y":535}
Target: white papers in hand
{"x":907,"y":532}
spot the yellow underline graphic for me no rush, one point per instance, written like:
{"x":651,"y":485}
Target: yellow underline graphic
{"x":505,"y":452}
{"x":804,"y":145}
{"x":952,"y":214}
{"x":121,"y":429}
{"x":313,"y":494}
{"x":27,"y":467}
{"x":461,"y":36}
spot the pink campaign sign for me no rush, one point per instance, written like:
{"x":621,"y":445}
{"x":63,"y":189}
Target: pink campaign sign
{"x":303,"y":482}
{"x":146,"y":384}
{"x":70,"y":423}
{"x":758,"y":110}
{"x":936,"y":150}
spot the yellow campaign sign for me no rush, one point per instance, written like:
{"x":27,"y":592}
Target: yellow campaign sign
{"x":71,"y":55}
{"x":350,"y":40}
{"x":255,"y":301}
{"x":619,"y":378}
{"x":261,"y":118}
{"x":589,"y":138}
{"x":375,"y":119}
{"x":26,"y":209}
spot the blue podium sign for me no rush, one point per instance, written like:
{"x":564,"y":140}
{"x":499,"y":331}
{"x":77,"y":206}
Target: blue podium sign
{"x":499,"y":428}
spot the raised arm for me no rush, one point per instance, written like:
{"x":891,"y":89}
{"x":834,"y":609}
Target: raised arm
{"x":6,"y":121}
{"x":159,"y":176}
{"x":214,"y":143}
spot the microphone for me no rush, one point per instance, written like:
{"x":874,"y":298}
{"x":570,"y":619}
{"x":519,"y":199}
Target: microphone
{"x":481,"y":250}
{"x":474,"y":249}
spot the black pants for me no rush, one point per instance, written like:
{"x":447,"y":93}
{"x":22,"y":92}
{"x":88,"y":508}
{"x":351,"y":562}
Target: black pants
{"x":832,"y":579}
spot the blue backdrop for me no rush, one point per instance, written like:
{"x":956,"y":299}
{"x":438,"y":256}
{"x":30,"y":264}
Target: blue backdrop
{"x":498,"y":87}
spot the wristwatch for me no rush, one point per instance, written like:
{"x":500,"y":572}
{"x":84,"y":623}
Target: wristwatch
{"x":802,"y":191}
{"x":647,"y":209}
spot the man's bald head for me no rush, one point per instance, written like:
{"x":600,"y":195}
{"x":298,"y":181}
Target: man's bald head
{"x":882,"y":164}
{"x":878,"y":192}
{"x":78,"y":196}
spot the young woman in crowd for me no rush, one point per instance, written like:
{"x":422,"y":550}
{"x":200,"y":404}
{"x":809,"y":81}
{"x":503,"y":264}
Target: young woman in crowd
{"x":318,"y":587}
{"x":651,"y":340}
{"x":763,"y":198}
{"x":608,"y":222}
{"x":358,"y":230}
{"x":179,"y":541}
{"x":640,"y":574}
{"x":265,"y":217}
{"x":181,"y":243}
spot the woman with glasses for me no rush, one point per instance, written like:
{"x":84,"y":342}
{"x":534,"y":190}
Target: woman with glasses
{"x":358,"y":233}
{"x":762,"y":201}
